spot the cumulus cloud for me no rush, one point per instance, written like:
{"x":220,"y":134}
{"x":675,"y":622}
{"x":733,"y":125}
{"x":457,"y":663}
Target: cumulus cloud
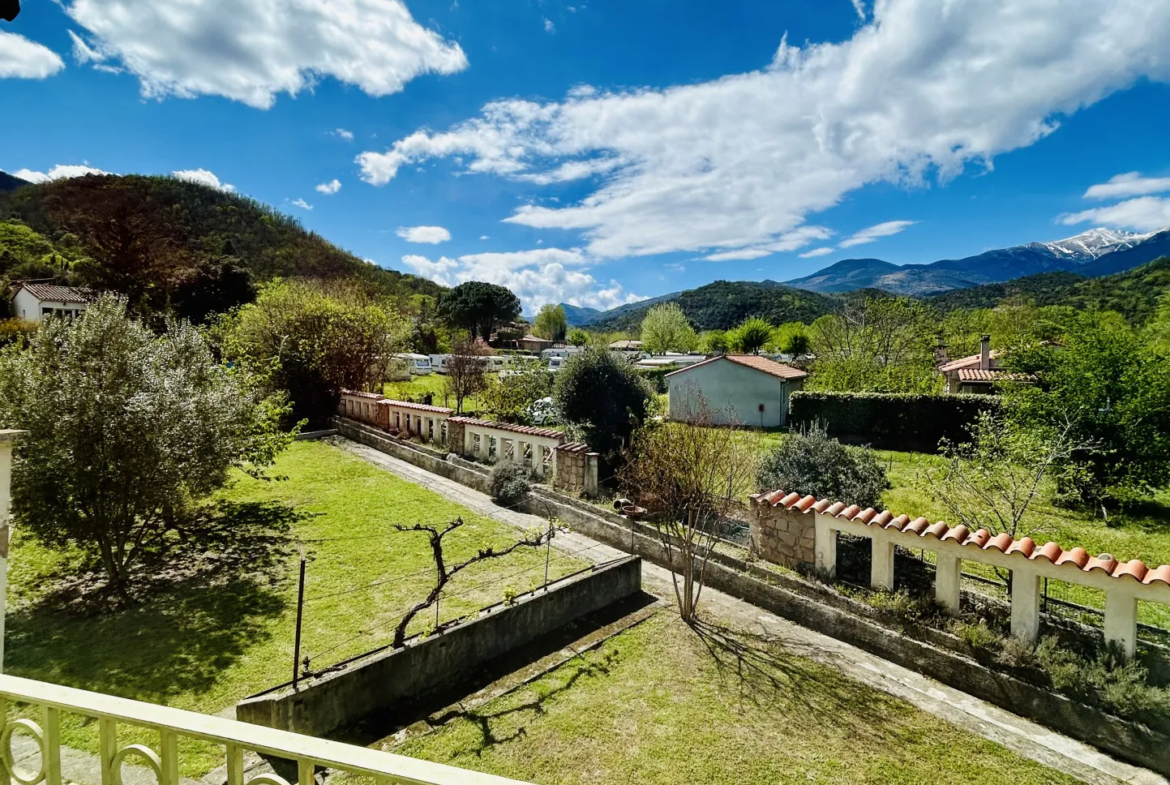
{"x":921,"y":91}
{"x":252,"y":51}
{"x":859,"y":7}
{"x":301,"y":203}
{"x":789,"y":241}
{"x":874,"y":233}
{"x":424,"y":234}
{"x":538,"y":276}
{"x":203,"y":177}
{"x":1128,"y":184}
{"x":1143,"y":214}
{"x":816,"y":252}
{"x":58,"y":172}
{"x":341,"y":133}
{"x":331,"y":187}
{"x":21,"y":58}
{"x":549,"y":27}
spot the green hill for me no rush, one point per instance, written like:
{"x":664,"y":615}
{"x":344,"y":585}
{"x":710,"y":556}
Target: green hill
{"x":169,"y":243}
{"x":1133,"y":293}
{"x":724,"y":304}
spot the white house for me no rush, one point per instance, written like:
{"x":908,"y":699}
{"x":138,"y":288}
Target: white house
{"x":34,"y":301}
{"x":739,"y":390}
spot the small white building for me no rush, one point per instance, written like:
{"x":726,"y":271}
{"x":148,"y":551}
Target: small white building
{"x":35,"y":301}
{"x":738,"y":389}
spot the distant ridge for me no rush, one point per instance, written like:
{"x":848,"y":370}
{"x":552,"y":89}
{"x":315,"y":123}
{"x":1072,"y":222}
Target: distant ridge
{"x":10,"y":182}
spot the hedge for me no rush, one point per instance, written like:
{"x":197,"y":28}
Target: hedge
{"x":656,"y":377}
{"x":891,"y":421}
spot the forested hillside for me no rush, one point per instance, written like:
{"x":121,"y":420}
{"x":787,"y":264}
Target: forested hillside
{"x":724,"y":304}
{"x":1133,"y":293}
{"x":169,"y":243}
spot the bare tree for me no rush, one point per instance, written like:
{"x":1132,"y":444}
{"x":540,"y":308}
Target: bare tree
{"x":466,"y":371}
{"x":444,"y":572}
{"x":690,"y":477}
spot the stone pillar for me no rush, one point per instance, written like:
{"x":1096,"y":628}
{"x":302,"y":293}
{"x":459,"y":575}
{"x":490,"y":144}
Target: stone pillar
{"x":826,"y":547}
{"x":881,"y":564}
{"x":782,"y":536}
{"x":1121,"y":621}
{"x":948,"y":573}
{"x":455,"y":438}
{"x":592,"y":460}
{"x":1025,"y":606}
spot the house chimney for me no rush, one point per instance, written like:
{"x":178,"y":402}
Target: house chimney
{"x":940,"y":351}
{"x":985,"y":353}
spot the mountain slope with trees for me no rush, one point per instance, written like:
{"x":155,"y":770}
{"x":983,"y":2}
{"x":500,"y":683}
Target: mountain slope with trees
{"x":171,"y":244}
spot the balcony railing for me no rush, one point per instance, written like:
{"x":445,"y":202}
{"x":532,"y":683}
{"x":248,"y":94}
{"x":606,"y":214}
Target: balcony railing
{"x":172,"y":724}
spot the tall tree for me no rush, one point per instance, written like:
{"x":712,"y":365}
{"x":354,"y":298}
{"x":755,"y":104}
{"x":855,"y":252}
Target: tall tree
{"x":751,"y":335}
{"x":666,"y":329}
{"x":126,"y":430}
{"x":466,"y":371}
{"x":600,"y":393}
{"x":478,"y":307}
{"x":551,"y":323}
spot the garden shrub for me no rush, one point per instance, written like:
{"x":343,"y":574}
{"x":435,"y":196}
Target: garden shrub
{"x":896,"y":421}
{"x":508,"y":483}
{"x":655,"y":377}
{"x":811,"y":462}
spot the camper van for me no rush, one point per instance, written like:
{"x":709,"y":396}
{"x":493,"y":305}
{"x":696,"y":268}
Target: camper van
{"x":439,"y":363}
{"x":416,"y":364}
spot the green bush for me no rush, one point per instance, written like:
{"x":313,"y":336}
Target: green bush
{"x":813,"y":463}
{"x":895,"y":421}
{"x":655,"y":377}
{"x":508,"y":483}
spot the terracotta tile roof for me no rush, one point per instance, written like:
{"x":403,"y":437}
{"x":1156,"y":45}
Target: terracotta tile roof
{"x":970,"y":361}
{"x":421,"y":407}
{"x":979,"y":375}
{"x":54,"y":293}
{"x":755,"y":362}
{"x":363,"y":394}
{"x":573,"y":447}
{"x":1135,"y":569}
{"x":527,"y":430}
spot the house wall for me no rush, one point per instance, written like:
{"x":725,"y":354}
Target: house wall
{"x":726,"y":384}
{"x":28,"y":307}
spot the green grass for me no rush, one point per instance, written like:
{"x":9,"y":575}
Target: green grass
{"x":661,"y":704}
{"x":205,"y":643}
{"x":435,"y":384}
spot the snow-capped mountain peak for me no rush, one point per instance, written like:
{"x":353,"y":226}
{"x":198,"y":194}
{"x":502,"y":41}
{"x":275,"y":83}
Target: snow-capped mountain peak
{"x":1095,"y":243}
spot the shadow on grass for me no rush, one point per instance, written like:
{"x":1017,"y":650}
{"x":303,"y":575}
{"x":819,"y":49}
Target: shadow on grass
{"x":198,"y":602}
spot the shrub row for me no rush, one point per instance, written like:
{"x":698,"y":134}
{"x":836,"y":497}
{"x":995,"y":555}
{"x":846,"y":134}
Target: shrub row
{"x":655,"y":376}
{"x":892,"y":421}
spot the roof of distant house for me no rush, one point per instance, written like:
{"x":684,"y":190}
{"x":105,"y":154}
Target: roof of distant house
{"x":753,"y":361}
{"x":966,"y":362}
{"x":531,"y":338}
{"x":47,"y":292}
{"x":978,"y":375}
{"x":626,"y":345}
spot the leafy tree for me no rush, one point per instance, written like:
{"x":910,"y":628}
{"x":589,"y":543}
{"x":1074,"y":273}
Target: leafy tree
{"x":551,"y":323}
{"x":876,"y":344}
{"x":577,"y":337}
{"x":127,"y":431}
{"x":478,"y":307}
{"x":751,"y":336}
{"x":666,"y":329}
{"x":1113,"y":389}
{"x":714,"y":342}
{"x":508,"y":399}
{"x":314,"y":340}
{"x":427,"y":334}
{"x":601,"y":394}
{"x":811,"y":462}
{"x":689,"y":477}
{"x":466,"y":371}
{"x":793,"y":338}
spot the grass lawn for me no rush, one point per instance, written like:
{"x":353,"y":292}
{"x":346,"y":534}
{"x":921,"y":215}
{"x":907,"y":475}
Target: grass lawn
{"x":435,"y":383}
{"x":205,"y":642}
{"x":662,"y":704}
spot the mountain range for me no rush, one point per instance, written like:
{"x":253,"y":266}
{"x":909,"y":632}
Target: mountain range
{"x":1091,"y":254}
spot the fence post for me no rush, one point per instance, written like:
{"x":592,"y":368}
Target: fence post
{"x":948,"y":571}
{"x":1121,"y":621}
{"x":825,"y":548}
{"x":300,"y":615}
{"x":881,"y":565}
{"x":1025,"y":606}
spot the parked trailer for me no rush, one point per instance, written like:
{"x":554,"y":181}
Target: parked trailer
{"x":416,"y":364}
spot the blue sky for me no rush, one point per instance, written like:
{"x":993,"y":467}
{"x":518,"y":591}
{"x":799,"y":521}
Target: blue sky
{"x":598,"y":151}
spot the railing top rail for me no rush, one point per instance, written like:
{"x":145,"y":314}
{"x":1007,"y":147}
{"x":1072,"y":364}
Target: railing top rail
{"x":386,"y":766}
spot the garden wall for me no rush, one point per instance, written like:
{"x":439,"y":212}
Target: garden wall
{"x":890,"y":421}
{"x":323,"y":705}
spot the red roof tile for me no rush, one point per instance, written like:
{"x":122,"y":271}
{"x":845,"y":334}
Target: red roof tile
{"x":753,"y":361}
{"x":1025,"y":547}
{"x":970,"y":361}
{"x":422,"y":407}
{"x":977,"y":375}
{"x":526,"y":430}
{"x":363,"y":394}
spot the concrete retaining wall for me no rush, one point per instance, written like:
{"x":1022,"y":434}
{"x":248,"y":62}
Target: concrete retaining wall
{"x":323,"y":705}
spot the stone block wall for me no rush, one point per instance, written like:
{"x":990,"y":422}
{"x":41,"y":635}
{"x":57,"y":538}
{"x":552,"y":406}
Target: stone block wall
{"x":781,"y":536}
{"x":572,"y":469}
{"x":455,"y":436}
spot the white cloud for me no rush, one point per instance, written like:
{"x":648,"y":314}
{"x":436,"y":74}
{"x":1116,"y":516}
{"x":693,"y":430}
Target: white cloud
{"x":58,"y":172}
{"x":424,"y":234}
{"x":859,"y":7}
{"x":538,"y":276}
{"x":341,"y":133}
{"x":330,"y":187}
{"x":203,"y":177}
{"x":1143,"y":214}
{"x":549,"y":27}
{"x":919,"y":92}
{"x":789,"y":241}
{"x":483,"y":237}
{"x":301,"y":203}
{"x":874,"y":233}
{"x":1128,"y":184}
{"x":21,"y":58}
{"x":252,"y":51}
{"x":816,"y":252}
